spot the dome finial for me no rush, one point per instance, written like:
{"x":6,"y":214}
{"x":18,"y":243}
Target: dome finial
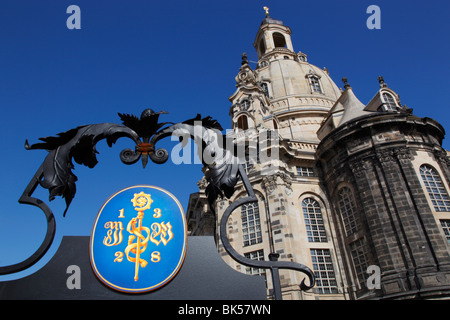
{"x":345,"y":81}
{"x":267,"y":11}
{"x":244,"y":59}
{"x":382,"y":83}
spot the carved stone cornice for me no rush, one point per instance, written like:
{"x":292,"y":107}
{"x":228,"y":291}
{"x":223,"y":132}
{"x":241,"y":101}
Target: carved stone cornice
{"x":358,"y":167}
{"x":403,"y":154}
{"x":441,"y":155}
{"x":385,"y":157}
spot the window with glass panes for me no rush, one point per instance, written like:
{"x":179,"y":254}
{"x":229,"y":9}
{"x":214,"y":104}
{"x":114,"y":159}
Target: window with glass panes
{"x":315,"y":84}
{"x":255,"y":255}
{"x":446,"y":227}
{"x":324,"y":271}
{"x":348,"y":210}
{"x":315,"y":228}
{"x":389,"y":102}
{"x":305,"y":171}
{"x":436,"y":190}
{"x":359,"y":256}
{"x":251,"y":224}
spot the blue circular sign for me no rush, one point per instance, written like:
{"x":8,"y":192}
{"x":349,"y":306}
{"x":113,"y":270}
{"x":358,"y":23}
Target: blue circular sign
{"x":139,"y":239}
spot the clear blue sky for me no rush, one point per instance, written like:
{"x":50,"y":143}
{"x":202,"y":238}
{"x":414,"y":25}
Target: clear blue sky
{"x":182,"y":57}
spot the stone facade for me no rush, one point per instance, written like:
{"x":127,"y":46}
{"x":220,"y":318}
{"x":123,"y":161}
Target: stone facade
{"x":396,"y":224}
{"x":346,"y":185}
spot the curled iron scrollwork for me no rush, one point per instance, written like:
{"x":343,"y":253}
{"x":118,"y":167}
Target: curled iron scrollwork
{"x":129,"y":156}
{"x":159,"y":156}
{"x":221,"y":166}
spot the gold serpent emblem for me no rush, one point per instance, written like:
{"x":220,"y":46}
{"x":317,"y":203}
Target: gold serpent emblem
{"x":141,"y":202}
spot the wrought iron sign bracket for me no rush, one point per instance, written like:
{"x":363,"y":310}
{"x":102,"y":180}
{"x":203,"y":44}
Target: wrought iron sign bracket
{"x":55,"y":174}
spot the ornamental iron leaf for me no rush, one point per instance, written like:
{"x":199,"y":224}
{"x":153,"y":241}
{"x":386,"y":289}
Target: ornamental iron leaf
{"x":78,"y":144}
{"x":221,"y":166}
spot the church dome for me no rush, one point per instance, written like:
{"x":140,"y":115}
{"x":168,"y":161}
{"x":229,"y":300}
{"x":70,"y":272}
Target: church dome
{"x":300,"y":93}
{"x":298,"y":83}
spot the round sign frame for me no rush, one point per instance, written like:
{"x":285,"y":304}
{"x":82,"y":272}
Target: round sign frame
{"x":155,"y":222}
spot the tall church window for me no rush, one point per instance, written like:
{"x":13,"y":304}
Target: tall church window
{"x":251,"y":224}
{"x":389,"y":102}
{"x":358,"y":250}
{"x":242,"y":122}
{"x":446,"y":227}
{"x":278,"y":40}
{"x":323,"y":269}
{"x":348,"y":210}
{"x":315,"y":228}
{"x":436,"y":189}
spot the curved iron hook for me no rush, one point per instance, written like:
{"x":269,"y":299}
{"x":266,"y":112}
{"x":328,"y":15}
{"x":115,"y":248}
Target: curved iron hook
{"x":51,"y":226}
{"x":91,"y":134}
{"x":273,"y":265}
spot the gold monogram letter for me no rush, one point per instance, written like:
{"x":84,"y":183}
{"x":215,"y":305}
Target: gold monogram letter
{"x":163,"y":230}
{"x":115,"y":230}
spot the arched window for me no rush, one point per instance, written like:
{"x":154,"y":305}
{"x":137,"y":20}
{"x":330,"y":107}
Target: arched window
{"x":251,"y":224}
{"x":436,"y":189}
{"x":278,"y":40}
{"x":315,"y":227}
{"x":242,"y":122}
{"x":389,"y":102}
{"x":348,"y":210}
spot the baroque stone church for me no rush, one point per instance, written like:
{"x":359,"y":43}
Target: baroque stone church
{"x":353,"y":186}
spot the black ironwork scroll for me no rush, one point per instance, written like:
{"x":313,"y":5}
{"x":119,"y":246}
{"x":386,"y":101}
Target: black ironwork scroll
{"x":222,"y":173}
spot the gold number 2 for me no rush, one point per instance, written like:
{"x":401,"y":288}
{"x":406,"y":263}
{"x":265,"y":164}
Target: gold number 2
{"x":119,"y":256}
